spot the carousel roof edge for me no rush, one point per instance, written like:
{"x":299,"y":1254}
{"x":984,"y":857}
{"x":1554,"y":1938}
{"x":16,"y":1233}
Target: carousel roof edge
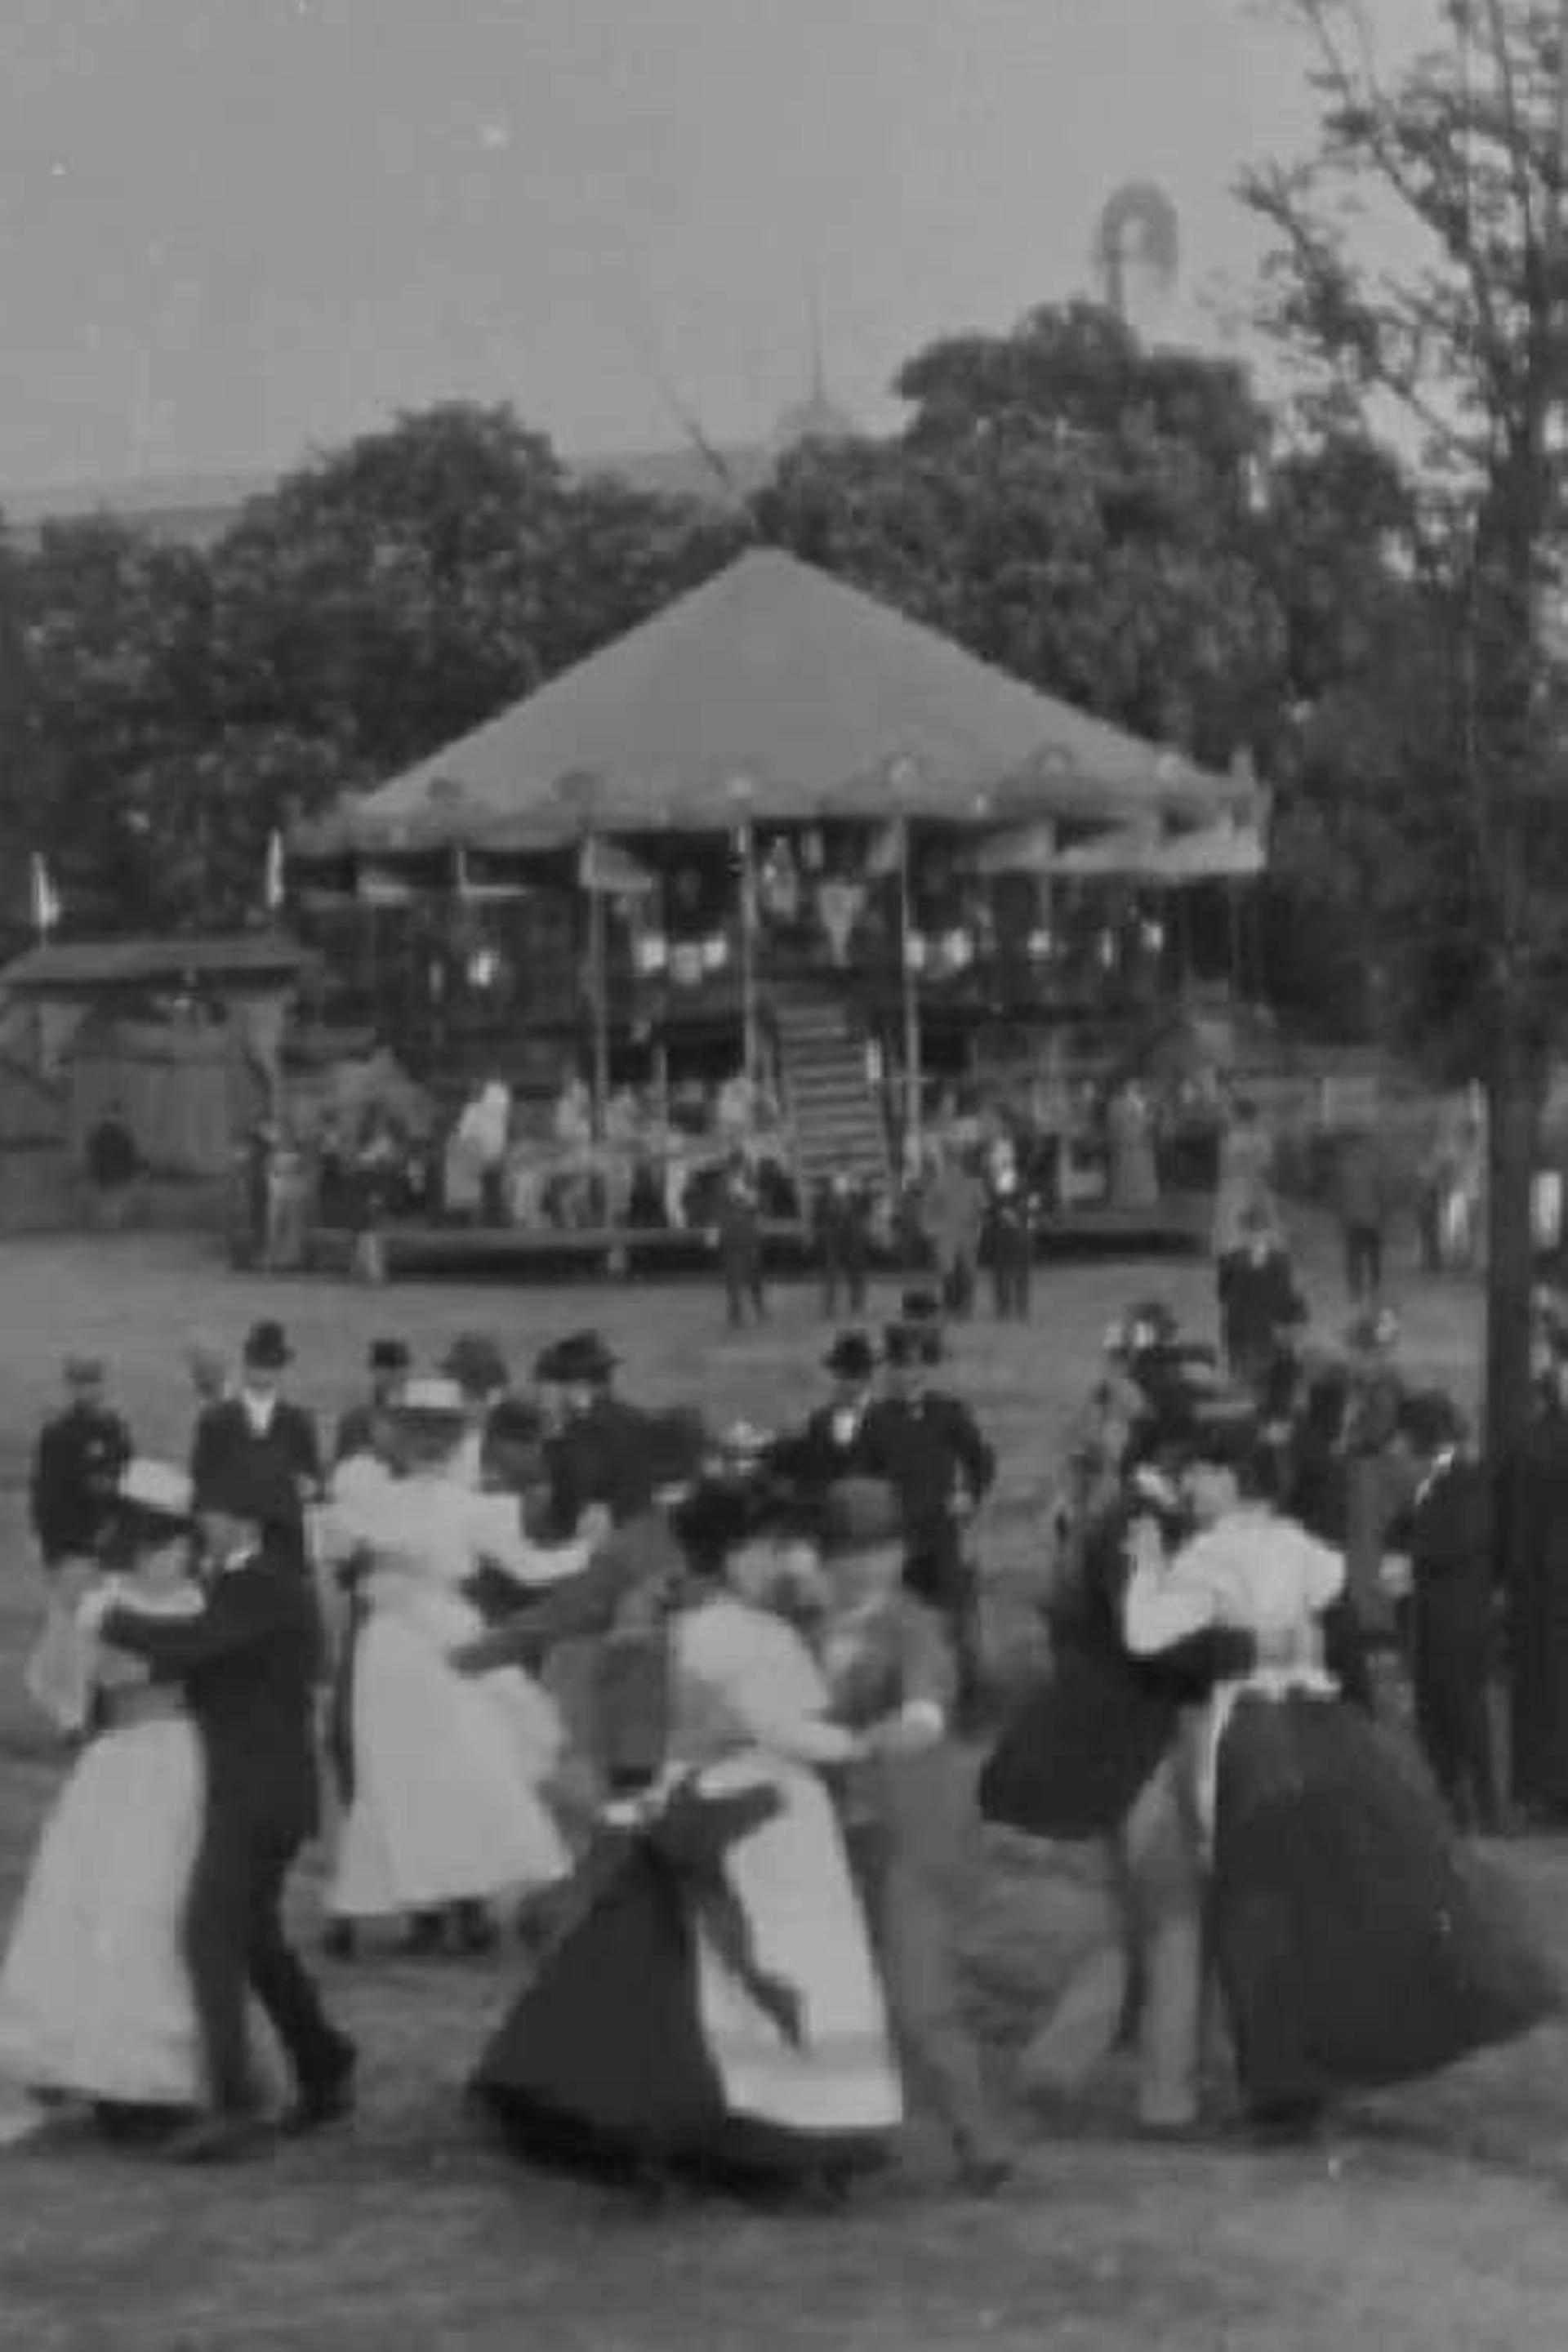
{"x":69,"y":964}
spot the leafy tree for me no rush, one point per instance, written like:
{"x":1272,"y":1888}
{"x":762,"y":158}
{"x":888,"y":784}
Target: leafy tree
{"x":103,"y":658}
{"x":397,"y":593}
{"x":1074,"y":508}
{"x":1465,"y":347}
{"x":163,"y":710}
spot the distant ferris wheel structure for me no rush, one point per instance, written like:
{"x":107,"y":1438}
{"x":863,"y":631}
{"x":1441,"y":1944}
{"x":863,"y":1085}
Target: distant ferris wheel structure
{"x":1137,"y":256}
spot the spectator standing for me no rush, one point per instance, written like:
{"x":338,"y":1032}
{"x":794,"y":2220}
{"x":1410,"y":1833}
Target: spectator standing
{"x":113,"y":1164}
{"x":738,"y":1231}
{"x":1361,"y":1199}
{"x":844,"y":1240}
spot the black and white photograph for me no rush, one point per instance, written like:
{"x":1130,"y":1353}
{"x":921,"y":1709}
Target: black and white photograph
{"x":784,"y":1175}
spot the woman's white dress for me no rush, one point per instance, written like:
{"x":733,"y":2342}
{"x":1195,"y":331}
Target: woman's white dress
{"x":449,"y":1769}
{"x":95,"y":1998}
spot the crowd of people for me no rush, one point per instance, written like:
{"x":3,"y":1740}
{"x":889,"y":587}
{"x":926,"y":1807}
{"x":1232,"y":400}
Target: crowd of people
{"x":694,"y":1720}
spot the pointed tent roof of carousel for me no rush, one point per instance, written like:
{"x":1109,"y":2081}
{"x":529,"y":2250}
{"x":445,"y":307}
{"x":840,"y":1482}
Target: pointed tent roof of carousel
{"x":778,"y":674}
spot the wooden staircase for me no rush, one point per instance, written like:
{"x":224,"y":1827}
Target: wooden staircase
{"x":836,"y":1117}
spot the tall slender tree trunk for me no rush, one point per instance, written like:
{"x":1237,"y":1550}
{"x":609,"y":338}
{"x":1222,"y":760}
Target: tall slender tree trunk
{"x":1515,"y":1087}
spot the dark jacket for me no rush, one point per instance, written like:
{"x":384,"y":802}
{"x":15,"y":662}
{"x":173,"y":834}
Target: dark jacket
{"x":249,"y":1664}
{"x":269,"y":1471}
{"x":1452,"y":1559}
{"x":1258,"y":1300}
{"x":815,"y":1458}
{"x":841,"y":1220}
{"x":619,"y":1607}
{"x":606,"y":1455}
{"x":1084,"y":1741}
{"x":75,"y":1473}
{"x":355,"y":1433}
{"x":928,"y":1450}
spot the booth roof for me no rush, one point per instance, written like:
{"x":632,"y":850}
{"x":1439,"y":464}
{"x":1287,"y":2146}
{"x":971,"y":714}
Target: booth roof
{"x":777,"y":692}
{"x":73,"y":965}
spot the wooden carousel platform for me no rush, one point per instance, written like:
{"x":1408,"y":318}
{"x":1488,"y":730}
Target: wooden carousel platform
{"x":456,"y":1252}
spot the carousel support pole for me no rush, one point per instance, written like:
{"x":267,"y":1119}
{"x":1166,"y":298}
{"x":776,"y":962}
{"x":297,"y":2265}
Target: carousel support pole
{"x":913,"y":1077}
{"x":1237,"y":943}
{"x":746,"y":866}
{"x":598,"y":988}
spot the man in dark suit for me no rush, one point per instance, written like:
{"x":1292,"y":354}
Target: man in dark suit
{"x":828,"y":1447}
{"x":600,"y":1453}
{"x":738,"y":1229}
{"x":358,"y":1429}
{"x":927,"y":1445}
{"x":75,"y":1470}
{"x":1449,"y":1535}
{"x":1259,"y":1303}
{"x":260,"y":1442}
{"x":843,"y":1224}
{"x":249,"y":1663}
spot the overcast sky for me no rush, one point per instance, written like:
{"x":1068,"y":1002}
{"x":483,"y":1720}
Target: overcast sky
{"x":230,"y":229}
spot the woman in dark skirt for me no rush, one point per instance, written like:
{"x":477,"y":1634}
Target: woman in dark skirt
{"x":1358,"y":1943}
{"x":707,"y":2003}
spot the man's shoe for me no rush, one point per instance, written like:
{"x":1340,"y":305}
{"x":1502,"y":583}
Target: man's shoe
{"x":219,"y":2140}
{"x":330,"y":2099}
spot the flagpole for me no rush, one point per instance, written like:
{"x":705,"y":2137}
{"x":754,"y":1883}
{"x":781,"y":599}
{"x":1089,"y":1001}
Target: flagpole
{"x":581,"y":789}
{"x":598,"y":985}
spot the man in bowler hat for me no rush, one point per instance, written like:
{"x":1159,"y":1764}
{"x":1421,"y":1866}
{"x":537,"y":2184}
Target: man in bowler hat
{"x":928,"y":1446}
{"x":829,"y":1446}
{"x":261,"y":1441}
{"x":360,"y":1429}
{"x":599,"y":1452}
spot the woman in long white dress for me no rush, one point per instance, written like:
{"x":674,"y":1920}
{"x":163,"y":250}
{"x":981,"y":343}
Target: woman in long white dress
{"x":1357,"y":1943}
{"x":448,"y":1809}
{"x":95,"y":1999}
{"x":713,"y":2002}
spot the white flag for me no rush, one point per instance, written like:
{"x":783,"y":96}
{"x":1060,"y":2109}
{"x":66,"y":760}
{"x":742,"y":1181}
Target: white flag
{"x":885,"y":853}
{"x":44,"y":898}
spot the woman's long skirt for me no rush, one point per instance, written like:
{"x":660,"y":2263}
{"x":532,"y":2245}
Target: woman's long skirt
{"x":449,"y":1773}
{"x":95,"y":1995}
{"x":1358,"y":1943}
{"x":644,"y":2036}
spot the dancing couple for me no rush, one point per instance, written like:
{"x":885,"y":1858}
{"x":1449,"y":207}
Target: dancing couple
{"x":153,"y":1907}
{"x":752,"y":1944}
{"x":1261,"y":1825}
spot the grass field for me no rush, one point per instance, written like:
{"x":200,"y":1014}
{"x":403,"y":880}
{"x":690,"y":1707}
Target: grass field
{"x":1435,"y":2221}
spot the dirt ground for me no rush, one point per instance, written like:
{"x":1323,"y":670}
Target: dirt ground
{"x":1435,"y":2220}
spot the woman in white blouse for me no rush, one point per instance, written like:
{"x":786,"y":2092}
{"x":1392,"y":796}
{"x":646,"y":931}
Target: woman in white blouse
{"x":1355,"y":1941}
{"x":448,"y":1808}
